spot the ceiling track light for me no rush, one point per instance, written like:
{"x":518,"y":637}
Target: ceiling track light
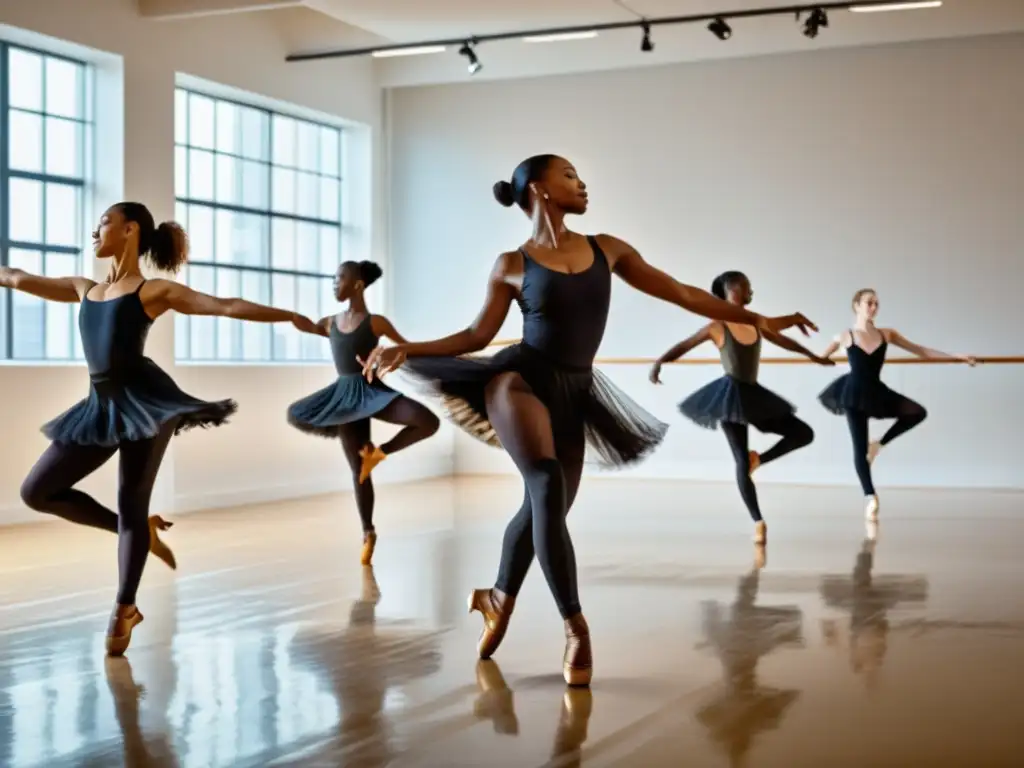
{"x":814,"y":16}
{"x":816,"y":19}
{"x":720,"y":28}
{"x":466,"y":50}
{"x":646,"y":45}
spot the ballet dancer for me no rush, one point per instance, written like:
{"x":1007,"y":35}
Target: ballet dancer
{"x":343,"y":409}
{"x":861,"y":395}
{"x":541,"y":400}
{"x":736,"y":400}
{"x":133,"y":407}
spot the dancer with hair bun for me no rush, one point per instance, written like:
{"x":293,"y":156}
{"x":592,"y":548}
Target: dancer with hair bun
{"x":133,"y":407}
{"x":736,"y":400}
{"x":541,"y":400}
{"x":342,"y":410}
{"x":861,"y":395}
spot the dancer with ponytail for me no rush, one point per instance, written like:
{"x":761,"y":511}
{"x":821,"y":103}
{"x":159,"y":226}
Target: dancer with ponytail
{"x":133,"y":407}
{"x":736,"y":401}
{"x":541,"y":400}
{"x":861,"y":395}
{"x":343,"y":410}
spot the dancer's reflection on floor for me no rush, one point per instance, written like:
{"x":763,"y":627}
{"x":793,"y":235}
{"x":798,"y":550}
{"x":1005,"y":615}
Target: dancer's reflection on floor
{"x":740,"y":635}
{"x":868,"y":600}
{"x":496,"y":702}
{"x":365,"y":663}
{"x":139,"y":750}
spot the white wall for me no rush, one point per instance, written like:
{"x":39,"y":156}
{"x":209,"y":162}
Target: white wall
{"x":257,"y":457}
{"x":896,"y":167}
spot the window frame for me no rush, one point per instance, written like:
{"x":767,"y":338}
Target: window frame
{"x":266,"y":215}
{"x":7,"y":173}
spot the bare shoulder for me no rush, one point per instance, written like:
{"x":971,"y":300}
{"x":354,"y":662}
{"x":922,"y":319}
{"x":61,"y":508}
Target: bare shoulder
{"x":508,"y":266}
{"x":614,"y":248}
{"x":379,"y":324}
{"x":844,"y":339}
{"x":715,"y":331}
{"x":888,"y":334}
{"x":160,"y":286}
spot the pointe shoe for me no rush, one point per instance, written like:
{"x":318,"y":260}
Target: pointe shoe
{"x":372,"y":456}
{"x":157,"y":547}
{"x":755,"y":461}
{"x":496,"y":608}
{"x":495,"y":702}
{"x":119,"y":633}
{"x":871,"y":509}
{"x":370,"y":591}
{"x":760,"y":556}
{"x":369,"y":545}
{"x":873,"y":450}
{"x":871,"y":531}
{"x":578,"y":662}
{"x":761,"y":532}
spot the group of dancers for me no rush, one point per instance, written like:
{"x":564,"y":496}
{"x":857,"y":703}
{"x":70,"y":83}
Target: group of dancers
{"x":540,"y":400}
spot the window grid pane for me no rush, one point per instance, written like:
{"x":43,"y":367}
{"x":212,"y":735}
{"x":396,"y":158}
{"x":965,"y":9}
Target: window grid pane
{"x":45,"y":158}
{"x":260,"y":196}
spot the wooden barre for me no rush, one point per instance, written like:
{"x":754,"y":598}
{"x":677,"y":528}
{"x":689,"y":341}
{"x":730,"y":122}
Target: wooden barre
{"x":992,"y":360}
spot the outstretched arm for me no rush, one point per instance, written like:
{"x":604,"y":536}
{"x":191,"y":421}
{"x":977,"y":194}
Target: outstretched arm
{"x":895,"y":337}
{"x":69,"y":290}
{"x":170,"y":295}
{"x":382,"y":328}
{"x":792,"y":345}
{"x":680,"y":349}
{"x":322,"y":327}
{"x":631,"y":267}
{"x":475,"y":337}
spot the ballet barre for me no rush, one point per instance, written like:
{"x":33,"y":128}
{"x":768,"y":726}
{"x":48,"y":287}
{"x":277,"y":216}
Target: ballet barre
{"x":981,"y":360}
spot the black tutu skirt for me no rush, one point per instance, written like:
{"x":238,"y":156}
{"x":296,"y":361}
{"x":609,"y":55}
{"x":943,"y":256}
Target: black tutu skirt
{"x":350,"y":398}
{"x":578,"y":399}
{"x":134,"y":406}
{"x":871,"y":397}
{"x":738,"y":402}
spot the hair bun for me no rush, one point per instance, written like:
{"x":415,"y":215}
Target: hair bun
{"x":504,"y":194}
{"x":370,"y":272}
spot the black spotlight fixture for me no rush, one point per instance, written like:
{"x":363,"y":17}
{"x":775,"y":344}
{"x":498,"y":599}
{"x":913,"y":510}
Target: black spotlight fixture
{"x":646,"y":45}
{"x":720,"y":29}
{"x":815,"y":21}
{"x":474,"y":62}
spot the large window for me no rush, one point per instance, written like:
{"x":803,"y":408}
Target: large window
{"x":44,"y":133}
{"x":260,"y":195}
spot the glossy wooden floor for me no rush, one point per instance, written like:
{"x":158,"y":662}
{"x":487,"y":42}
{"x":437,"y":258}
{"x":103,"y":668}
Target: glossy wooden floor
{"x":271,"y":646}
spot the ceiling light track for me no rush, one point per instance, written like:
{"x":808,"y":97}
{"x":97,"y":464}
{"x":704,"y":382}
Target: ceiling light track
{"x":589,"y":30}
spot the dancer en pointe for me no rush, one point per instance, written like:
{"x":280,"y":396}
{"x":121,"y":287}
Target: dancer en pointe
{"x":736,"y":400}
{"x":343,"y":410}
{"x":541,"y":400}
{"x":861,"y":395}
{"x":133,"y":407}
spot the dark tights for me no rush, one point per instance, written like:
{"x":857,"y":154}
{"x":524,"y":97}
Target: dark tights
{"x":910,"y":416}
{"x":795,"y":434}
{"x":551,"y":469}
{"x":49,"y":488}
{"x":419,"y":423}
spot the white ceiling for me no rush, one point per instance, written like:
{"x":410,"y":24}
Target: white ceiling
{"x":405,"y":21}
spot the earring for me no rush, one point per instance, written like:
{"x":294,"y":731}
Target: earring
{"x":546,"y":196}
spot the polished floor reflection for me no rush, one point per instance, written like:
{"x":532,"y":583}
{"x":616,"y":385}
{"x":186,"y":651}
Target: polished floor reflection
{"x":845,"y":646}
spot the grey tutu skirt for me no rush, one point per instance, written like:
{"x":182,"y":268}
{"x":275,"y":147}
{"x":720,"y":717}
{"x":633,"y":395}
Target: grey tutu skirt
{"x":734,"y":401}
{"x":578,"y":400}
{"x":870,"y":396}
{"x":350,"y":398}
{"x":134,"y":405}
